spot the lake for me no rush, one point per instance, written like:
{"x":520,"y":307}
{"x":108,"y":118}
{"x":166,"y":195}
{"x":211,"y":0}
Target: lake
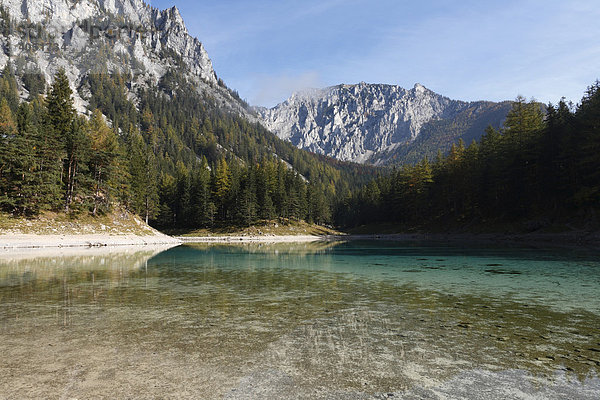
{"x":351,"y":320}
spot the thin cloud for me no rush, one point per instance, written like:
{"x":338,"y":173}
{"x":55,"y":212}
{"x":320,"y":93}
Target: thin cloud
{"x":271,"y":90}
{"x":467,"y":50}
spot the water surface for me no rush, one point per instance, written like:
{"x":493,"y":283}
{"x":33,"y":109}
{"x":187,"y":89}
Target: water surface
{"x":319,"y":320}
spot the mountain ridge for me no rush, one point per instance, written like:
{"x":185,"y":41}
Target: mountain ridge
{"x":126,"y":36}
{"x":187,"y":150}
{"x":367,"y":123}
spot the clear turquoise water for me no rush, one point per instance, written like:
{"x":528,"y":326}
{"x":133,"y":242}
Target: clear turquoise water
{"x":565,"y":279}
{"x":319,"y":320}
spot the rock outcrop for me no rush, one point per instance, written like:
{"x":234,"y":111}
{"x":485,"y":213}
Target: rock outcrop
{"x":89,"y":36}
{"x":365,"y":122}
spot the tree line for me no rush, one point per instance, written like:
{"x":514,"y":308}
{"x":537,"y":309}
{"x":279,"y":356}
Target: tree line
{"x":51,"y":158}
{"x":177,"y":160}
{"x":159,"y":140}
{"x":542,"y":168}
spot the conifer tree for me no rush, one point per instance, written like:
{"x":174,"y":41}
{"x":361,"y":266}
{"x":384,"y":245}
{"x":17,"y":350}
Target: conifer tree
{"x":61,"y":112}
{"x":103,"y":153}
{"x":144,"y":176}
{"x":167,"y":197}
{"x":49,"y":153}
{"x":267,"y":209}
{"x":246,"y":204}
{"x":221,"y":185}
{"x":8,"y":88}
{"x":206,"y":207}
{"x":587,"y":164}
{"x":523,"y":119}
{"x":182,"y":200}
{"x":8,"y":130}
{"x":61,"y":117}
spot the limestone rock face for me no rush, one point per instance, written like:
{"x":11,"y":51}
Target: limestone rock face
{"x":89,"y":36}
{"x":360,"y":123}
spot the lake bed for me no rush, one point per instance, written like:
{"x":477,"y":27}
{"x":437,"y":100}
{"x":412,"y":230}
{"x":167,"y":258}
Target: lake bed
{"x":311,"y":320}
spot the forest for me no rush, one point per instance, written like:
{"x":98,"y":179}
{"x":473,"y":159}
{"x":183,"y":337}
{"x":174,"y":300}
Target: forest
{"x":541,"y":170}
{"x":176,"y":160}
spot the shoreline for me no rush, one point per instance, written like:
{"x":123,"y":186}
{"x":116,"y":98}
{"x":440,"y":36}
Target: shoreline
{"x":564,"y":239}
{"x":29,"y":253}
{"x":32,"y":241}
{"x":257,"y":239}
{"x":561,"y":239}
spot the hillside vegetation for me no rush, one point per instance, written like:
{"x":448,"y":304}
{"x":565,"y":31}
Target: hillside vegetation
{"x":175,"y":160}
{"x":539,"y":172}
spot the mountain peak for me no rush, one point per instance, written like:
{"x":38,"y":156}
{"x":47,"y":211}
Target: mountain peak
{"x":175,"y":15}
{"x":419,"y":88}
{"x":130,"y":33}
{"x":84,"y":37}
{"x":366,"y":122}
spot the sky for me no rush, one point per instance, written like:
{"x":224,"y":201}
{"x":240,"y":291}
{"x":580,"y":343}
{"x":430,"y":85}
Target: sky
{"x":466,"y":50}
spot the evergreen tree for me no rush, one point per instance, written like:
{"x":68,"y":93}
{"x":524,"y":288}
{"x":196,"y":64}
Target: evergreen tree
{"x":103,"y":154}
{"x":61,"y":112}
{"x":49,"y":153}
{"x":144,"y":176}
{"x":22,"y":179}
{"x":246,"y":204}
{"x":182,"y":201}
{"x":167,"y":198}
{"x":587,"y":193}
{"x":61,"y":117}
{"x":206,"y":207}
{"x":8,"y":130}
{"x":221,"y":186}
{"x":8,"y":88}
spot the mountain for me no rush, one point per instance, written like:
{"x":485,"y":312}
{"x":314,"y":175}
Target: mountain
{"x":126,"y":57}
{"x":379,"y":124}
{"x":84,"y":37}
{"x":185,"y":149}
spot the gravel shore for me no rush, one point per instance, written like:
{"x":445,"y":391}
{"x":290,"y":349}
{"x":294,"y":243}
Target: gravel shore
{"x":254,"y":239}
{"x":8,"y":241}
{"x":20,"y":241}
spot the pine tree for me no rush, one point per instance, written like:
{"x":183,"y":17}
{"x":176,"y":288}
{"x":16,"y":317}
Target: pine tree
{"x":49,"y":152}
{"x":8,"y":131}
{"x":25,"y":181}
{"x":221,"y":186}
{"x":103,"y":154}
{"x":267,"y":209}
{"x":8,"y":88}
{"x":22,"y":180}
{"x":587,"y":165}
{"x":318,"y":209}
{"x":144,"y":176}
{"x":182,"y":200}
{"x":206,"y":207}
{"x":523,"y":119}
{"x":61,"y":112}
{"x":167,"y":199}
{"x":246,"y":207}
{"x":61,"y":117}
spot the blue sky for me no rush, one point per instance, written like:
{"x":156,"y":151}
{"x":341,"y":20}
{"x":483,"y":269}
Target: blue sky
{"x":467,"y":50}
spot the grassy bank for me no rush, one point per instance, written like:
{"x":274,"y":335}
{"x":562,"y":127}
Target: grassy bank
{"x":119,"y":222}
{"x":279,"y":227}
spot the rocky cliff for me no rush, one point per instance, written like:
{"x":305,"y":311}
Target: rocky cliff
{"x":370,"y":123}
{"x":91,"y":36}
